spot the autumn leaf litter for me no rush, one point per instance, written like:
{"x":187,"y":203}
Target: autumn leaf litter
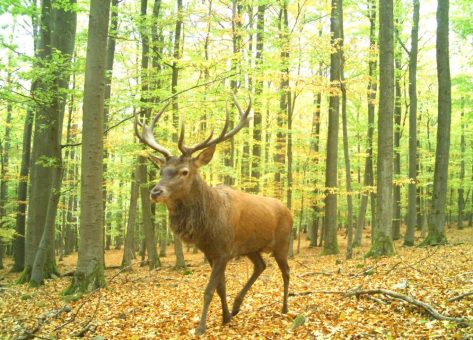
{"x":166,"y":303}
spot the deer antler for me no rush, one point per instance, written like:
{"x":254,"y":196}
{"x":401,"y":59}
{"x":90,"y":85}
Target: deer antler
{"x":147,"y":136}
{"x":224,"y":135}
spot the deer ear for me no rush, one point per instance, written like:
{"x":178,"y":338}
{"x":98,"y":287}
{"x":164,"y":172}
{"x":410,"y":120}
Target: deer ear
{"x":205,"y":156}
{"x":157,"y":161}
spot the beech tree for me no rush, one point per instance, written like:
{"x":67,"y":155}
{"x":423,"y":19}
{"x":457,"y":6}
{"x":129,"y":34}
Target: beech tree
{"x":437,"y":220}
{"x":382,"y":237}
{"x":90,"y":267}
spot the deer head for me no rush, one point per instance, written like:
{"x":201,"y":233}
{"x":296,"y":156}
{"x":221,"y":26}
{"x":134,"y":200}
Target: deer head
{"x":179,"y":172}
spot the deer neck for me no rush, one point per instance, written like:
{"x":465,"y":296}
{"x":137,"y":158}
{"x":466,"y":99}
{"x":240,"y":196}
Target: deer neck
{"x":190,"y":214}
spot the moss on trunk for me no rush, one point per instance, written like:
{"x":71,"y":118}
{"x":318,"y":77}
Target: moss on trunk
{"x":434,"y":238}
{"x":382,"y":246}
{"x":83,"y":282}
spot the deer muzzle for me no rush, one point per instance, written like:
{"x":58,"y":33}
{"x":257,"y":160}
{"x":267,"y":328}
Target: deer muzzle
{"x":158,"y":193}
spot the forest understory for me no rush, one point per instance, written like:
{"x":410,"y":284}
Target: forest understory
{"x":166,"y":303}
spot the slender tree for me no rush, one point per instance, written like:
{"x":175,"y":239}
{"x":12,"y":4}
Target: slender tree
{"x":90,"y":267}
{"x":461,"y":190}
{"x":180,"y":262}
{"x":437,"y":221}
{"x":55,"y":47}
{"x":108,"y":91}
{"x":368,"y":178}
{"x":396,"y":224}
{"x":257,"y":119}
{"x":382,"y":238}
{"x":412,"y":189}
{"x":142,"y":166}
{"x":330,"y":240}
{"x":346,"y":153}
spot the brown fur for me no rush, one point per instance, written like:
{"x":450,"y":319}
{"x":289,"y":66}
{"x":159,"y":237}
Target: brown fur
{"x":223,"y":223}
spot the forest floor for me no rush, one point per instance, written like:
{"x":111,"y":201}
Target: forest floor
{"x":166,"y":303}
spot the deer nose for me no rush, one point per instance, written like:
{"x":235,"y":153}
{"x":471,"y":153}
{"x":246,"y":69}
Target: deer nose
{"x":156,"y":192}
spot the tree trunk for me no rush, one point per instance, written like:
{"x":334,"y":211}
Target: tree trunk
{"x":396,"y":224}
{"x":39,"y":272}
{"x":382,"y":237}
{"x":142,"y":169}
{"x":180,"y":262}
{"x":330,"y":240}
{"x":4,"y":156}
{"x":280,"y":152}
{"x":106,"y":113}
{"x":258,"y":107}
{"x":368,"y":178}
{"x":90,"y":267}
{"x":346,"y":152}
{"x":412,"y":190}
{"x":148,"y":227}
{"x":314,"y":227}
{"x":129,"y":247}
{"x":461,"y":190}
{"x":57,"y":34}
{"x":436,"y":233}
{"x":19,"y":241}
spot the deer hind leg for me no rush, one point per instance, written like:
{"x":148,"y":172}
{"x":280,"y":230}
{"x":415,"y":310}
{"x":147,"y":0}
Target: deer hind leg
{"x":259,"y":267}
{"x":284,"y":267}
{"x":217,"y":275}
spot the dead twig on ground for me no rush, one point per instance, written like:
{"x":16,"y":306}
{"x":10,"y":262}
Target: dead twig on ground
{"x":42,"y":320}
{"x":459,"y":297}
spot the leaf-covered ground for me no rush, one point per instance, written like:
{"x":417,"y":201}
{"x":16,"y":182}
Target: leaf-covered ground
{"x":166,"y":303}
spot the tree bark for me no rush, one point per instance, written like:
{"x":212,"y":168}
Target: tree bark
{"x":396,"y":224}
{"x":368,"y":178}
{"x":382,"y":237}
{"x":90,"y":267}
{"x":108,"y":91}
{"x":412,"y":190}
{"x":346,"y":152}
{"x":436,"y":234}
{"x":258,"y":107}
{"x":129,"y":247}
{"x":330,"y":240}
{"x":20,"y":226}
{"x":57,"y":39}
{"x":4,"y":157}
{"x":180,"y":261}
{"x":461,"y":190}
{"x":148,"y":227}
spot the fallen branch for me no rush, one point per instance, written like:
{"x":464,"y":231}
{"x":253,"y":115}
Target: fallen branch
{"x":459,"y":297}
{"x":315,"y":273}
{"x":428,"y":308}
{"x":42,"y":319}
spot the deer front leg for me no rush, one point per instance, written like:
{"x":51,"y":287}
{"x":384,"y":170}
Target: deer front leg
{"x":222,"y":292}
{"x":218,"y":271}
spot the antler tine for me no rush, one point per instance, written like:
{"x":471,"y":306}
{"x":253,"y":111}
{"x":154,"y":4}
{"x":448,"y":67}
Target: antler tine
{"x":180,"y":144}
{"x":147,"y":136}
{"x":223,"y":136}
{"x":187,"y":151}
{"x":244,"y":119}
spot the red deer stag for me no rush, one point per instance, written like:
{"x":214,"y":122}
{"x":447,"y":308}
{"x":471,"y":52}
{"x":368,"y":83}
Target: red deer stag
{"x":222,"y":222}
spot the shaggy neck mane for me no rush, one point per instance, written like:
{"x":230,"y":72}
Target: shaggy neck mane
{"x":190,"y":218}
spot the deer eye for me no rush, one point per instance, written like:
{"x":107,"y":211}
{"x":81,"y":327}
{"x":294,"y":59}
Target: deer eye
{"x":184,"y":172}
